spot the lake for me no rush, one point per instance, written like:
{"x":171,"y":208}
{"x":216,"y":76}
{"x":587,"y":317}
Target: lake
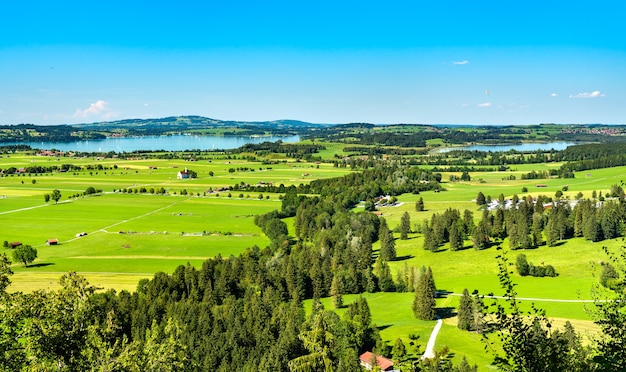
{"x":168,"y":143}
{"x":525,"y":147}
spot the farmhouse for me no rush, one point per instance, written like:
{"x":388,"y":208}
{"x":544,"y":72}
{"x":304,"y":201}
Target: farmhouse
{"x":184,"y":174}
{"x":15,"y":244}
{"x":383,"y":363}
{"x":52,"y":242}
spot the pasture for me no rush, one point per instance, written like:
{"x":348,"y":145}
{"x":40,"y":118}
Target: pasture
{"x":132,"y":235}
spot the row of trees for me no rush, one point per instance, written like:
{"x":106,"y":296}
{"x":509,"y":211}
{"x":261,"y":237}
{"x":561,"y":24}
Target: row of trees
{"x":525,"y":268}
{"x":55,"y":195}
{"x":527,"y":224}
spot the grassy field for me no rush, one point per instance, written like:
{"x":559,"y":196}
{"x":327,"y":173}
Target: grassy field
{"x":131,"y":236}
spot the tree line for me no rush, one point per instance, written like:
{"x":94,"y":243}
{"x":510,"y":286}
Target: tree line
{"x":526,"y":223}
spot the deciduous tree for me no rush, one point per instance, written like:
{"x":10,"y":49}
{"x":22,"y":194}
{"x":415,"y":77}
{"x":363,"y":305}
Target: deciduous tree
{"x":56,"y":196}
{"x":25,"y":254}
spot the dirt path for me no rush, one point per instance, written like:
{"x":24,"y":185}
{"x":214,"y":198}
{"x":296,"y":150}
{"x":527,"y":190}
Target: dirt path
{"x":430,"y":346}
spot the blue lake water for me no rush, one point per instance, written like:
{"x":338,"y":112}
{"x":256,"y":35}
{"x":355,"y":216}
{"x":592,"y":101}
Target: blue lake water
{"x":557,"y":145}
{"x":168,"y":143}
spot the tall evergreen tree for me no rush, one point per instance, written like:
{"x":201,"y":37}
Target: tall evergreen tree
{"x":480,"y":199}
{"x":466,"y":312}
{"x":468,"y":222}
{"x":499,"y":230}
{"x":405,"y":226}
{"x":552,"y":232}
{"x":481,"y":237}
{"x":385,"y":281}
{"x":424,"y":299}
{"x":456,"y":237}
{"x":387,"y":242}
{"x":438,"y":226}
{"x":536,"y":229}
{"x":399,"y":350}
{"x":336,"y":291}
{"x":430,"y":243}
{"x":464,"y":366}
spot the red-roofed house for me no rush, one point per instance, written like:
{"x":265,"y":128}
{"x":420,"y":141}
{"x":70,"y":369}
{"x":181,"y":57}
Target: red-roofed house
{"x":367,"y":358}
{"x":183,"y":174}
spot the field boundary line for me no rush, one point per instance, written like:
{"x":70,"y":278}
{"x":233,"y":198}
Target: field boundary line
{"x":523,"y":298}
{"x":33,"y":207}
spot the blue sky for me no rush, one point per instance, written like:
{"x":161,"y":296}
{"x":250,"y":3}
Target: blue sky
{"x":477,"y":62}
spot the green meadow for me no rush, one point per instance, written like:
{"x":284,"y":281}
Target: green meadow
{"x":130,"y":236}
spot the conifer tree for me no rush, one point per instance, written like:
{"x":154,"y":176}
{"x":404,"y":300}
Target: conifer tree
{"x":468,"y":222}
{"x":464,"y":366}
{"x":405,"y":226}
{"x":499,"y":230}
{"x":456,"y":237}
{"x":424,"y":300}
{"x":401,"y":285}
{"x":399,"y":350}
{"x":336,"y":291}
{"x":481,"y":235}
{"x":387,"y":242}
{"x":480,"y":199}
{"x":552,"y":232}
{"x":466,"y":312}
{"x":385,"y":282}
{"x":536,"y":229}
{"x":430,"y":243}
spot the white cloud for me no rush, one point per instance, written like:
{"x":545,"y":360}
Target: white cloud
{"x":594,"y":94}
{"x":486,"y":104}
{"x":99,"y":107}
{"x":553,"y":95}
{"x":463,"y":62}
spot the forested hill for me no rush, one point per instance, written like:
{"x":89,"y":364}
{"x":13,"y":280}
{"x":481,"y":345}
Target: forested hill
{"x":399,"y":135}
{"x":145,"y":127}
{"x":197,"y":124}
{"x":53,"y":133}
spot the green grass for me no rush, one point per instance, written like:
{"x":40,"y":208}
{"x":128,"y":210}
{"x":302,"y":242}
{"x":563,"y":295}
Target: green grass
{"x":132,"y":236}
